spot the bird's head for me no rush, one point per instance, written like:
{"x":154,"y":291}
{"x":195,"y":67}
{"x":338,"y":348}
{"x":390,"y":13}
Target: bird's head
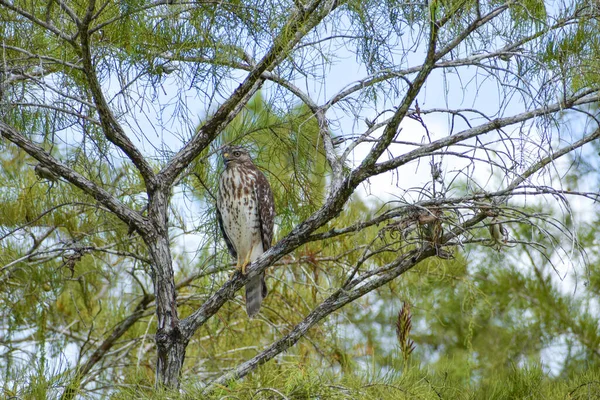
{"x":235,"y":155}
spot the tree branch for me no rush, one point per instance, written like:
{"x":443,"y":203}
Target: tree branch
{"x":127,"y":215}
{"x":495,"y":124}
{"x":48,"y":26}
{"x":111,"y":127}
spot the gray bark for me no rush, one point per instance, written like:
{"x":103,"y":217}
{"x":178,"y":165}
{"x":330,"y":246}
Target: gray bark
{"x":170,"y":342}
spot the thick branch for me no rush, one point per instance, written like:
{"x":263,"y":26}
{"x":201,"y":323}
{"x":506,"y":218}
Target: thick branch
{"x":127,"y":215}
{"x":111,"y":127}
{"x":337,"y":300}
{"x":391,"y":129}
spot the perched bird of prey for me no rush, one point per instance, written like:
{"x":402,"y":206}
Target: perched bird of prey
{"x":245,"y":211}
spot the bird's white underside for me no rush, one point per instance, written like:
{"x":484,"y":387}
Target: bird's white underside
{"x":241,"y":221}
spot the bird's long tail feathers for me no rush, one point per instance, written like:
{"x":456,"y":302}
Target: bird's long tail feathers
{"x":256,"y":291}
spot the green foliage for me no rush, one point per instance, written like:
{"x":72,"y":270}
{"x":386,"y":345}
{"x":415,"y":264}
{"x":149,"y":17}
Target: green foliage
{"x":482,"y":323}
{"x":291,"y":382}
{"x":574,"y":51}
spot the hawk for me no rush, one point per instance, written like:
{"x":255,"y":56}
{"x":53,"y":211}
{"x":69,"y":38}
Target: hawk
{"x":245,"y":211}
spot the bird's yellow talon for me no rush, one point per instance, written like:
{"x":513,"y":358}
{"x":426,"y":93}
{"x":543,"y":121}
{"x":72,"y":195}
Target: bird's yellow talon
{"x":245,"y":264}
{"x":238,"y":267}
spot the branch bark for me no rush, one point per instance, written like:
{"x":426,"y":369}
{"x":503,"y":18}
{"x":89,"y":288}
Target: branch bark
{"x":127,"y":215}
{"x":111,"y":127}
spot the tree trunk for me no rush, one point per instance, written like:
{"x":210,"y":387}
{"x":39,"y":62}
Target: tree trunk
{"x":170,"y":342}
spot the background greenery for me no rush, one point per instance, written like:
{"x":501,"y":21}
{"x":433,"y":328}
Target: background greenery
{"x":518,"y":320}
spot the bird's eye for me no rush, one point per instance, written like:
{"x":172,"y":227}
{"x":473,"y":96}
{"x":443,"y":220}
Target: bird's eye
{"x":237,"y":153}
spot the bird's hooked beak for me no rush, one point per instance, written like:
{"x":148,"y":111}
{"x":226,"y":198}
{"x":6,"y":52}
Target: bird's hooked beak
{"x":225,"y":157}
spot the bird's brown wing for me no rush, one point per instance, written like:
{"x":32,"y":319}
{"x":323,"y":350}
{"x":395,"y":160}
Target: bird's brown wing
{"x":227,"y":241}
{"x":256,"y":288}
{"x":266,"y":209}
